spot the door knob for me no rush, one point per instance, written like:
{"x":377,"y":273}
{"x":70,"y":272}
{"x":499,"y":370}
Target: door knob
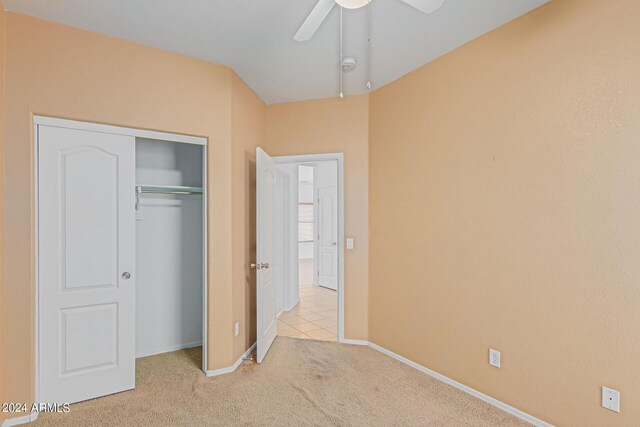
{"x":264,"y":265}
{"x":255,"y":266}
{"x":126,"y":275}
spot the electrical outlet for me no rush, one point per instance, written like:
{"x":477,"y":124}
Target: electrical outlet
{"x":236,"y":329}
{"x":494,"y":358}
{"x":611,"y":399}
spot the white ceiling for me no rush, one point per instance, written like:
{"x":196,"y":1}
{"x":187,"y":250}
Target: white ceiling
{"x":255,"y":37}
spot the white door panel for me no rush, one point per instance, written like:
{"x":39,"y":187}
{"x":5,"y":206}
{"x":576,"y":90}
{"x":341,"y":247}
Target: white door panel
{"x":86,"y":243}
{"x":91,"y":337}
{"x":328,"y":237}
{"x":267,"y":273}
{"x":89,"y":214}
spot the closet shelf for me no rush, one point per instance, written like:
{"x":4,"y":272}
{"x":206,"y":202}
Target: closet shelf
{"x":167,"y":189}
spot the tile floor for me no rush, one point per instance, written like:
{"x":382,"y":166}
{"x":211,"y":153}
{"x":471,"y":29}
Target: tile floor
{"x":316,"y":315}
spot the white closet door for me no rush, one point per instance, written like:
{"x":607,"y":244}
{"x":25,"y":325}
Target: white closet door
{"x":86,"y":296}
{"x":267,"y":273}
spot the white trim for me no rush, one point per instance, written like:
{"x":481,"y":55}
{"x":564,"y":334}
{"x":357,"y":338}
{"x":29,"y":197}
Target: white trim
{"x":308,"y":158}
{"x":169,"y":349}
{"x":205,"y":258}
{"x":36,"y":191}
{"x":295,"y":302}
{"x":233,"y":367}
{"x":138,"y":133}
{"x":339,"y":158}
{"x":20,"y":420}
{"x":354,"y":342}
{"x":475,"y":393}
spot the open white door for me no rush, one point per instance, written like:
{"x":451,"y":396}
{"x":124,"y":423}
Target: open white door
{"x":267,"y":290}
{"x":328,"y":237}
{"x":86,"y":254}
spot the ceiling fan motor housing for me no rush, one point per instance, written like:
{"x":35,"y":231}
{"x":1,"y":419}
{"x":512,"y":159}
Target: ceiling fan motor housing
{"x":352,"y":4}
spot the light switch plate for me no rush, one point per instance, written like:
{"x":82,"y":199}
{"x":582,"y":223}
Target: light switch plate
{"x":349,"y":244}
{"x":611,"y":399}
{"x":236,"y":329}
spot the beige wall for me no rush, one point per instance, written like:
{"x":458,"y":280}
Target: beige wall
{"x":505,"y":212}
{"x":248,"y":131}
{"x":331,"y":126}
{"x":64,"y":72}
{"x":3,"y":367}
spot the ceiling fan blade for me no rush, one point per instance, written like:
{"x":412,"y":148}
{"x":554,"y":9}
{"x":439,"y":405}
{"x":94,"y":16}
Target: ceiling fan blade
{"x":314,"y":20}
{"x":426,"y":6}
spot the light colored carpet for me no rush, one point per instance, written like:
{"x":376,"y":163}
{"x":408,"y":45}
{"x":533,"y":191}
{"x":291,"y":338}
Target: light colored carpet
{"x":300,"y":383}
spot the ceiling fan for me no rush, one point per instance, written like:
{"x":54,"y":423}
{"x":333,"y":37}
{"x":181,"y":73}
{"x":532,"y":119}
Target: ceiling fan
{"x":322,"y":9}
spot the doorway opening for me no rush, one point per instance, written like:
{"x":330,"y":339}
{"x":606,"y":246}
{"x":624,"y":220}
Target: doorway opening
{"x":315,"y":316}
{"x":300,"y":227}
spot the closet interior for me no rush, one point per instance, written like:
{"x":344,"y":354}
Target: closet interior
{"x":169,"y":246}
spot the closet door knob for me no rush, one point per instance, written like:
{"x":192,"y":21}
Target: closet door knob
{"x":255,"y":266}
{"x":126,"y":275}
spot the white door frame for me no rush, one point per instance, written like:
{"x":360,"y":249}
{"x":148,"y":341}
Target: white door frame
{"x":138,"y":133}
{"x":339,"y":158}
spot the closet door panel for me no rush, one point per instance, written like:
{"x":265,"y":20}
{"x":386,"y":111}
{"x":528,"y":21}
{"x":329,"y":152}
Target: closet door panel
{"x":86,"y":254}
{"x":89,"y":241}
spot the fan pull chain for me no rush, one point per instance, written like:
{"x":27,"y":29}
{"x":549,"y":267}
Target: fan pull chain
{"x":369,"y":46}
{"x":341,"y":57}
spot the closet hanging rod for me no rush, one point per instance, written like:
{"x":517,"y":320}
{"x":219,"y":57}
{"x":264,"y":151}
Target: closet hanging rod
{"x":167,"y":189}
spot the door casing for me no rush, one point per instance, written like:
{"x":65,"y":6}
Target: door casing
{"x":339,"y":158}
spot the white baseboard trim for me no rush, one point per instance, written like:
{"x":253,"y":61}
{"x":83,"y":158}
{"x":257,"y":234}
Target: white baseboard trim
{"x":354,"y":342}
{"x":169,"y":349}
{"x":232,"y":368}
{"x":20,"y":420}
{"x":292,"y":306}
{"x":490,"y":400}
